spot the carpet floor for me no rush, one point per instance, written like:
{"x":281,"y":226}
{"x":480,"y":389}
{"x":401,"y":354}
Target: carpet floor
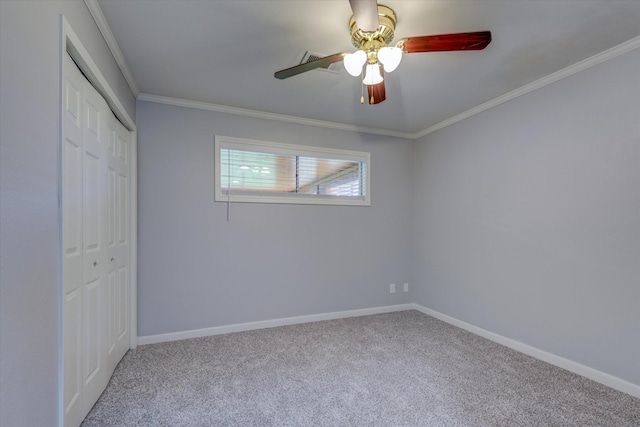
{"x":393,"y":369}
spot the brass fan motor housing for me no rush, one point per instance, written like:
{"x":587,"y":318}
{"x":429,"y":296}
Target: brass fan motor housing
{"x":381,"y":37}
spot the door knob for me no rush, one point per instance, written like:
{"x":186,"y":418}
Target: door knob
{"x":95,"y":263}
{"x":113,"y":258}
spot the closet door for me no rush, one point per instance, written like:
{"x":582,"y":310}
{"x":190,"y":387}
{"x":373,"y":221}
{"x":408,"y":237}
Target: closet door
{"x":118,"y":289}
{"x":72,"y":246}
{"x":95,"y":256}
{"x":95,"y":244}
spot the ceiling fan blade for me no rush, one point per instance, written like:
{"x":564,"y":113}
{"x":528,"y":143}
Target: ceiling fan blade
{"x":446,"y":42}
{"x":376,"y":93}
{"x":365,"y":13}
{"x":308,"y":66}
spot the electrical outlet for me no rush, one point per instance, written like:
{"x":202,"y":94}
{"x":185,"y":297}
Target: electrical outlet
{"x":392,"y":288}
{"x":406,"y":287}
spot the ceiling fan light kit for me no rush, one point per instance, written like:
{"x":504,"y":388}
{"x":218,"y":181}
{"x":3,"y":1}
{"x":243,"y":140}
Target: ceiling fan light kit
{"x":372,"y":46}
{"x":372,"y":29}
{"x":390,"y":57}
{"x":353,"y":62}
{"x":372,"y":75}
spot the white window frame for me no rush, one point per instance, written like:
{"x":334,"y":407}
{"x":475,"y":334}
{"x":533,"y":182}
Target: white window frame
{"x":227,"y":142}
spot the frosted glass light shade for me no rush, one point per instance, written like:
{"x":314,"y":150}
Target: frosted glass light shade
{"x":372,"y":75}
{"x":390,"y":57}
{"x":353,"y":62}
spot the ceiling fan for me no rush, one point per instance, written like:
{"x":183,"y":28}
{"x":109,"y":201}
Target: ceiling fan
{"x":372,"y":29}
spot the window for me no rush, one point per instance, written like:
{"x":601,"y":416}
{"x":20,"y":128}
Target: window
{"x":269,"y":172}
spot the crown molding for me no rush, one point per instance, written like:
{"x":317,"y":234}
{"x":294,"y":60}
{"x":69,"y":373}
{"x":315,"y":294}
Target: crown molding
{"x":269,"y":116}
{"x":98,"y":16}
{"x":103,"y":26}
{"x":599,"y":58}
{"x":596,"y":59}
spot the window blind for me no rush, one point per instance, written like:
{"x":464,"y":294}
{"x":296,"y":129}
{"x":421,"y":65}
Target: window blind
{"x":264,"y":172}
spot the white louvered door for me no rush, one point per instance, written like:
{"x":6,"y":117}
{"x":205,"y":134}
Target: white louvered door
{"x":95,"y":251}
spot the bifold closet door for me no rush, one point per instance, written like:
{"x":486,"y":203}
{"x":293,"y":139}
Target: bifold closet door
{"x":118,"y":242}
{"x":72,"y":244}
{"x":95,"y":244}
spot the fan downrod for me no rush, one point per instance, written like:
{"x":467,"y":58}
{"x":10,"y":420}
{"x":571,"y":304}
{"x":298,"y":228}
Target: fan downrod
{"x":383,"y":36}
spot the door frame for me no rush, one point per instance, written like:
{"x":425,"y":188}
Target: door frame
{"x":70,"y":43}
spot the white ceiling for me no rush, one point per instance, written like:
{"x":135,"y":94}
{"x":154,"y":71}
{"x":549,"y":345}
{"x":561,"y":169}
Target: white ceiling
{"x":225,"y":53}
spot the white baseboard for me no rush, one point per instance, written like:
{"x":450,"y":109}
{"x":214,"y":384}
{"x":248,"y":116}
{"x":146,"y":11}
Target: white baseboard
{"x":561,"y":362}
{"x":569,"y":365}
{"x":239,"y":327}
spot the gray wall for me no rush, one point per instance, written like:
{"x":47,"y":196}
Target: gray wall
{"x":528,"y":218}
{"x":29,"y":104}
{"x":270,"y":261}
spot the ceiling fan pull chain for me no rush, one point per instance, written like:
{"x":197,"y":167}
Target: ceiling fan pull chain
{"x":362,"y":87}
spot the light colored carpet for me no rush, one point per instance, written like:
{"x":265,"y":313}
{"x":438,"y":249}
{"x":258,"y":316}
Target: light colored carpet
{"x":394,"y":369}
